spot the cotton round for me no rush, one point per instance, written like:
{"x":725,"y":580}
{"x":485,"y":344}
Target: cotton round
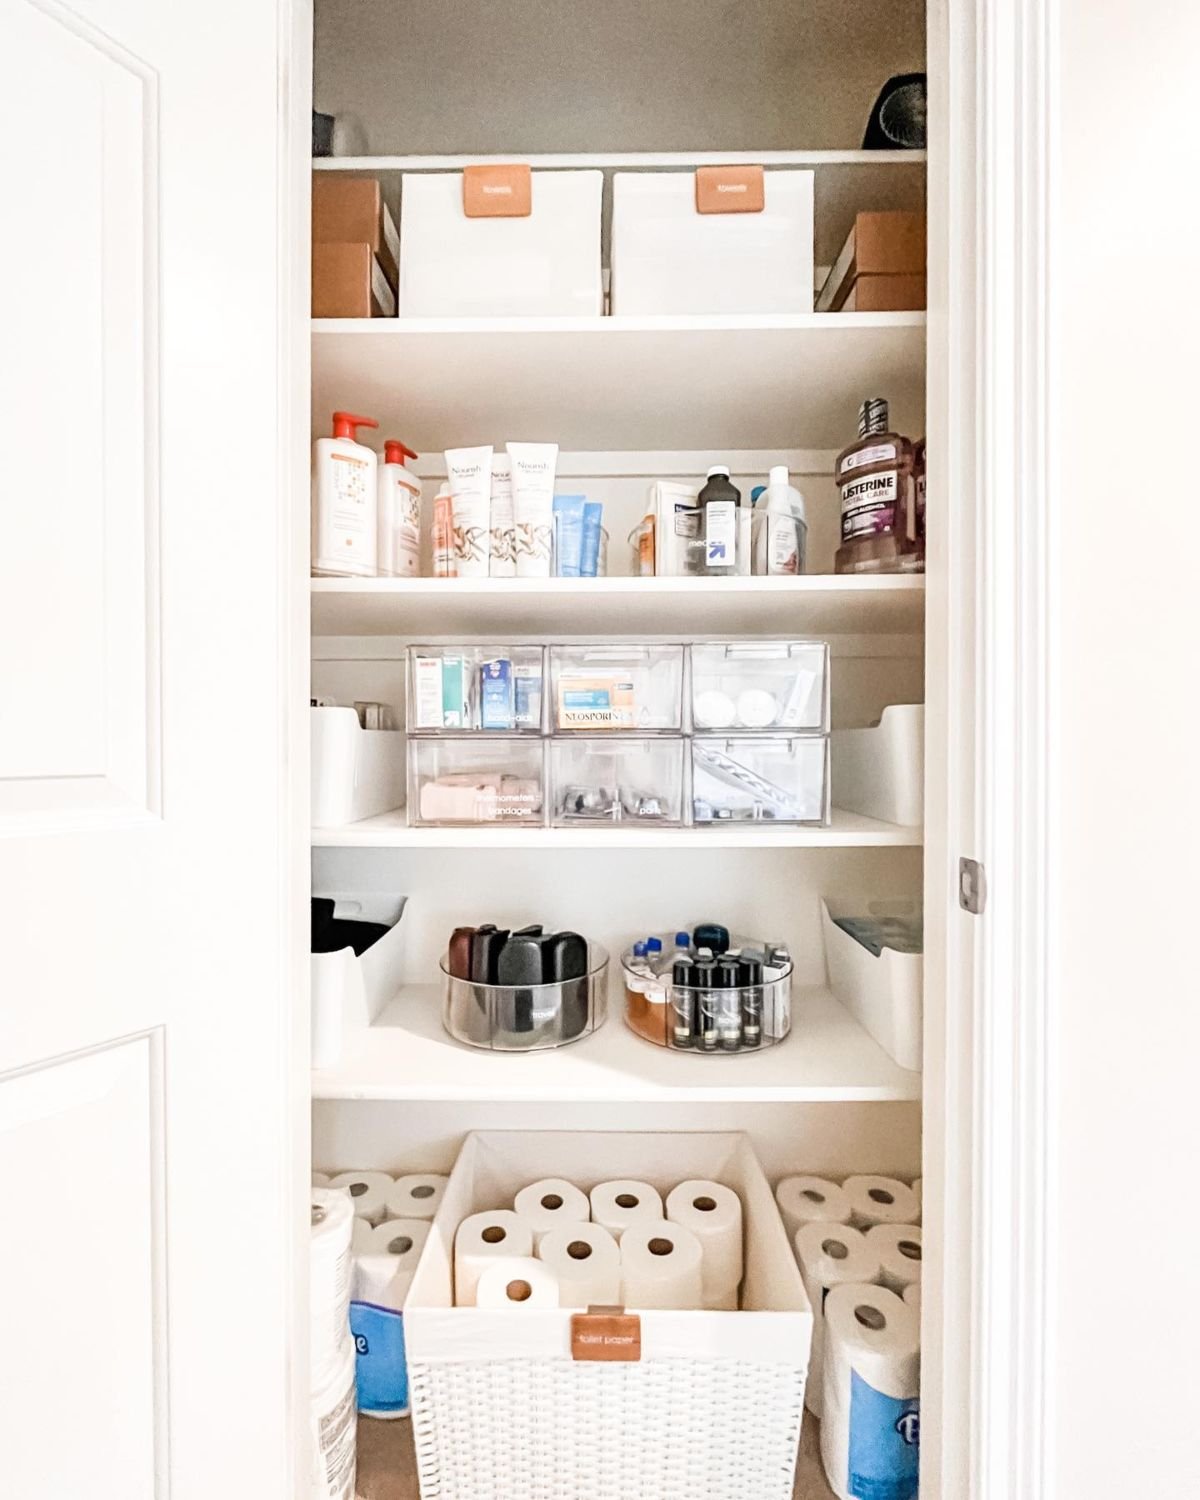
{"x":661,"y":1267}
{"x":756,"y":708}
{"x":713,"y":1213}
{"x":416,"y":1196}
{"x":368,"y":1193}
{"x":517,"y":1281}
{"x":482,"y":1238}
{"x":586,"y":1262}
{"x":810,"y":1200}
{"x":550,"y":1204}
{"x":625,"y":1201}
{"x":829,"y":1255}
{"x":714,"y":710}
{"x":880,"y":1200}
{"x":899,"y":1249}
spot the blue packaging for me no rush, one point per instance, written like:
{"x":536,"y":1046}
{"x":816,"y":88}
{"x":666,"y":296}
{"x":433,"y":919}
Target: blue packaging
{"x":496,"y":694}
{"x":885,"y":1444}
{"x":589,"y":557}
{"x":380,"y":1369}
{"x":568,"y":534}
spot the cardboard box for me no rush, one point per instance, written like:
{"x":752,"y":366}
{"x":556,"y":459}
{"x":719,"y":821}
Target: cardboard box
{"x":886,"y":243}
{"x":348,"y":282}
{"x":351,"y":210}
{"x":885,"y":294}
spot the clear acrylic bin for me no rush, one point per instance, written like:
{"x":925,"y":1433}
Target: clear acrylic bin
{"x":489,"y":689}
{"x":768,"y":778}
{"x":475,"y":780}
{"x":508,"y":1018}
{"x":637,"y":689}
{"x":617,"y":781}
{"x":718,"y":1012}
{"x":755,"y":685}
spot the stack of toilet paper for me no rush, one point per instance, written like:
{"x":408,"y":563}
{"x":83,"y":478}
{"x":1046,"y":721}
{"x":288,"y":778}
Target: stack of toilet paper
{"x":858,"y":1245}
{"x":620,"y":1245}
{"x":331,"y":1347}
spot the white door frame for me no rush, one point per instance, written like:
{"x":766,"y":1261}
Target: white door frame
{"x":988,"y":1116}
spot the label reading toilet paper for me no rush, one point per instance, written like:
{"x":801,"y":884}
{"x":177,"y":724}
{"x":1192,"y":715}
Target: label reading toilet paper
{"x":885,"y":1444}
{"x":381,"y":1374}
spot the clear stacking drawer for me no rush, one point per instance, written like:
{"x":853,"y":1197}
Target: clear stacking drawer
{"x":768,"y":778}
{"x":756,"y":685}
{"x":475,"y":779}
{"x":491,"y":689}
{"x":614,"y":780}
{"x":637,"y":689}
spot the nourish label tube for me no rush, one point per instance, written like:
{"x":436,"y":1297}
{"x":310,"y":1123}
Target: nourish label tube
{"x":470,"y":474}
{"x":533,"y":466}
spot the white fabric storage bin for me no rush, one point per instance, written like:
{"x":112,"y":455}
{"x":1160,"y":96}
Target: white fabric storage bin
{"x":350,"y":990}
{"x":880,"y":772}
{"x":548,"y":264}
{"x":884,"y":994}
{"x":712,"y":1407}
{"x":356,"y":772}
{"x":669,"y":258}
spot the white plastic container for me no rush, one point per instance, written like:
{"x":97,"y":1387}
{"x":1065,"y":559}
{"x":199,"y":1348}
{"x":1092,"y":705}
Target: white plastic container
{"x":883,"y":993}
{"x":344,"y":501}
{"x":711,"y":1407}
{"x":356,"y":772}
{"x":669,"y":258}
{"x":349,"y":990}
{"x":880,"y":772}
{"x":398,"y":523}
{"x":545,"y":264}
{"x":780,"y":528}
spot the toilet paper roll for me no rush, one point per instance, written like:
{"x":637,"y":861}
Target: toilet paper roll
{"x":713,"y":1213}
{"x":912,"y":1298}
{"x":586,"y":1263}
{"x":829,"y":1255}
{"x":623,"y":1202}
{"x":384,"y":1268}
{"x":810,"y":1200}
{"x":329,"y":1282}
{"x":334,"y":1428}
{"x":870,"y":1427}
{"x":898,"y":1247}
{"x":417,"y":1196}
{"x":880,"y":1200}
{"x":919,"y":1192}
{"x":517,"y":1281}
{"x":360,"y":1235}
{"x":481,"y":1239}
{"x":661,"y":1266}
{"x":550,"y":1204}
{"x":320,"y":1179}
{"x":368,"y":1193}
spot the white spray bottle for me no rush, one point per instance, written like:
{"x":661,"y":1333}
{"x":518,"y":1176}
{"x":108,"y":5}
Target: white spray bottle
{"x":780,"y":528}
{"x":344,"y":501}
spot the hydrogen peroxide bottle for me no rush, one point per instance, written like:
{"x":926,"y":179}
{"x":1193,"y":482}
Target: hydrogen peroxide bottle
{"x":719,"y":501}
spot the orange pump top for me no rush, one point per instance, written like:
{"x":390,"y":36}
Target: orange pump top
{"x":395,"y":452}
{"x":346,"y":424}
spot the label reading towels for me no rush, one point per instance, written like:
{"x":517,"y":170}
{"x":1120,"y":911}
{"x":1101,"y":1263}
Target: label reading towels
{"x":885,"y":1444}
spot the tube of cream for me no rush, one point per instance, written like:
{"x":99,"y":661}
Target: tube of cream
{"x":589,"y":556}
{"x":443,"y":534}
{"x":470,"y":474}
{"x":533,"y":466}
{"x":568,"y":535}
{"x":503,"y":561}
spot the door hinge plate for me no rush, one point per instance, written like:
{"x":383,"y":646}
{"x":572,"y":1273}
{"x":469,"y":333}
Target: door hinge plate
{"x":972,"y":886}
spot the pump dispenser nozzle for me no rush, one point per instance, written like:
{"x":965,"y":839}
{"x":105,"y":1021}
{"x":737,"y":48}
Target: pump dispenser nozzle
{"x":346,"y":425}
{"x":395,"y":452}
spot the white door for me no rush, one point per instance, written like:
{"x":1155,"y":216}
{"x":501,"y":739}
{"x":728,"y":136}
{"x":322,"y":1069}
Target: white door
{"x":145,"y":1160}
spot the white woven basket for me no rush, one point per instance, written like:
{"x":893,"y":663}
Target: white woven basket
{"x":712,"y":1410}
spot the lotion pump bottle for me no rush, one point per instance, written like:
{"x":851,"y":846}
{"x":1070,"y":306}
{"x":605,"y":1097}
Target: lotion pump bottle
{"x":399,"y":519}
{"x":780,"y":528}
{"x":344,"y":501}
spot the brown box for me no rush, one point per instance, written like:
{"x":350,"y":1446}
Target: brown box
{"x":351,"y":210}
{"x":348,"y":282}
{"x":884,"y":243}
{"x":885,"y":294}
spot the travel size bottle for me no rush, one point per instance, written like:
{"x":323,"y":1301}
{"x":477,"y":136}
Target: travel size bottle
{"x":875,"y":477}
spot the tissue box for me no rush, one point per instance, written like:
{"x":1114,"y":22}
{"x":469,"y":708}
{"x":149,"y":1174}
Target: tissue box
{"x":882,"y":262}
{"x":348,"y":282}
{"x":351,"y":210}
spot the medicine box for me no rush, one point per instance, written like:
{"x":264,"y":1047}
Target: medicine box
{"x":669,"y":257}
{"x":545,"y":264}
{"x":494,"y":689}
{"x":614,"y":688}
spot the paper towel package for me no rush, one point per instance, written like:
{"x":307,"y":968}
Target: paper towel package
{"x":871,"y":1409}
{"x":829,"y":1255}
{"x":383,"y":1273}
{"x":334,"y":1434}
{"x":329,"y":1282}
{"x":483,"y":1370}
{"x":811,"y":1200}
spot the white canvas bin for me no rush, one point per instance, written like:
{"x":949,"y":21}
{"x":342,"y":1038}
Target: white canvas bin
{"x":348,"y":990}
{"x":713,"y":1406}
{"x":669,"y":258}
{"x":356,"y":772}
{"x":884,"y":994}
{"x":880,"y":772}
{"x":547,"y":264}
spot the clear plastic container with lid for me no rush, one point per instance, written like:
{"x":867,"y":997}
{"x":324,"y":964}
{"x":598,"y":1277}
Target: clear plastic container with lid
{"x":767,"y":778}
{"x":614,"y":780}
{"x":616,"y":688}
{"x":759,"y":685}
{"x":476,"y":780}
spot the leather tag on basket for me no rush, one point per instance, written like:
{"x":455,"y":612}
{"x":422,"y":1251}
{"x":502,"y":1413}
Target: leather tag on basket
{"x":498,"y":192}
{"x":608,"y":1334}
{"x":730,"y":190}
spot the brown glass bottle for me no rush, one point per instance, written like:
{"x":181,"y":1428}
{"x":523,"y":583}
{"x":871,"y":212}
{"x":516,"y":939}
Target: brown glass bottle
{"x":875,"y":477}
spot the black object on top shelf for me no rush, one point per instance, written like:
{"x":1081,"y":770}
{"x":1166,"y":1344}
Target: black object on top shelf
{"x":897,"y":122}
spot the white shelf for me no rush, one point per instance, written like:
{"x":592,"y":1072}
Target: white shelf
{"x":846,"y":181}
{"x":818,"y":606}
{"x":767,"y":381}
{"x":847,"y":831}
{"x":407,"y":1055}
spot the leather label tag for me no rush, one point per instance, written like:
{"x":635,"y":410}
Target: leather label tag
{"x":498,"y":192}
{"x":730,"y":190}
{"x":606,"y":1334}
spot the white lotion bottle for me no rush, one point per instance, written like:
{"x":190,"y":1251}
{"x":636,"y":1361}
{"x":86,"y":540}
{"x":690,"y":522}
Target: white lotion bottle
{"x":780,"y":528}
{"x":398,"y":548}
{"x":344,"y":501}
